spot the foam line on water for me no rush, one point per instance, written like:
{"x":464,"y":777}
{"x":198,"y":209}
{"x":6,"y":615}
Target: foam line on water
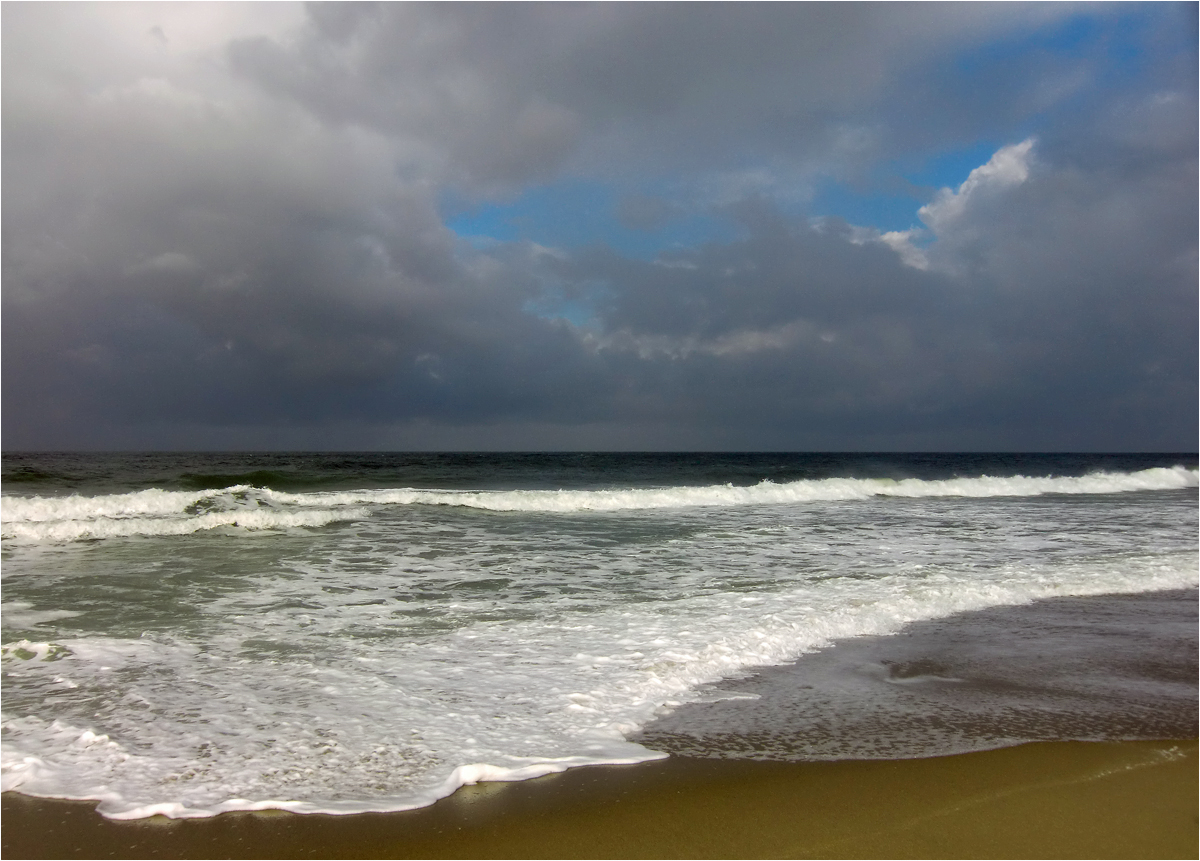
{"x":107,"y":527}
{"x":143,"y":503}
{"x":767,"y":492}
{"x":154,"y":512}
{"x":159,"y":512}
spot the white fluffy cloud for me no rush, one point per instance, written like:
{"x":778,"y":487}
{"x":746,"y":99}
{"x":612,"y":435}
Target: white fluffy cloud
{"x":944,"y":216}
{"x":1008,"y":167}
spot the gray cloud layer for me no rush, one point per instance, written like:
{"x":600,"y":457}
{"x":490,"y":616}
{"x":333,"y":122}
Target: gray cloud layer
{"x":222,"y":229}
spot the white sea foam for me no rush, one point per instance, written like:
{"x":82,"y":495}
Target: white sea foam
{"x":107,"y":527}
{"x":24,"y":650}
{"x":158,"y":512}
{"x":767,"y":492}
{"x":143,"y":503}
{"x":391,"y":725}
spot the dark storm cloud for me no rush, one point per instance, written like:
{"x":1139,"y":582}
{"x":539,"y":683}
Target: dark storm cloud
{"x":507,"y":93}
{"x":222,"y":227}
{"x":644,"y":212}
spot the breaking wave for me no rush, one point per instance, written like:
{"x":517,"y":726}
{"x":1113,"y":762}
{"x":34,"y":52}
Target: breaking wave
{"x":767,"y":492}
{"x":162,"y":512}
{"x":158,"y":512}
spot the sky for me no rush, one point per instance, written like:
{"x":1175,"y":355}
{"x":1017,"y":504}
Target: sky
{"x":631,"y":226}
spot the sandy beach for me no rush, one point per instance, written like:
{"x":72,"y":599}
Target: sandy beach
{"x":1061,"y":799}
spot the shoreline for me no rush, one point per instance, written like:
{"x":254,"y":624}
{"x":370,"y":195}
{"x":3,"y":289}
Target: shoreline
{"x":1114,"y":666}
{"x":1043,"y":799}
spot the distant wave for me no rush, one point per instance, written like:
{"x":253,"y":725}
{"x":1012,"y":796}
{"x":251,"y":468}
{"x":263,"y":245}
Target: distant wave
{"x":767,"y":492}
{"x":163,"y":512}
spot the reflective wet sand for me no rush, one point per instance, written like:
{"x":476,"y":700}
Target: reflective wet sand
{"x":1060,"y":799}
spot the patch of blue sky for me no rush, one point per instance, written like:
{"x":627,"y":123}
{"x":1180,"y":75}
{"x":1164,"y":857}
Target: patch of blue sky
{"x":1073,"y":38}
{"x":950,"y":168}
{"x":890,"y":198}
{"x":864,"y":208}
{"x":577,"y":213}
{"x":1122,"y":38}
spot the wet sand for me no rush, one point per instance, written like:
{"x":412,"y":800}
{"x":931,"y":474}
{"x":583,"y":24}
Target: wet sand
{"x":1100,"y":667}
{"x":1053,"y":799}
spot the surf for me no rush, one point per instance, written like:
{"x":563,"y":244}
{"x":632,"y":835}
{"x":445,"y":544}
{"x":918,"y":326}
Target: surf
{"x":157,"y":512}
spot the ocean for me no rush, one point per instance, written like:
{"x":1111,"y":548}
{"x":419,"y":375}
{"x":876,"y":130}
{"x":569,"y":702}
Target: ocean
{"x":186,"y":634}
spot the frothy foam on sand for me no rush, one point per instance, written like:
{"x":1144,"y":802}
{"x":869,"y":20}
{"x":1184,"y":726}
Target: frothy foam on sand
{"x":483,"y":722}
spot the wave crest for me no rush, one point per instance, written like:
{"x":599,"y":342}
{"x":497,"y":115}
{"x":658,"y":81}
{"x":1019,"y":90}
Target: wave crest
{"x":807,"y":490}
{"x":158,"y":512}
{"x":162,"y":512}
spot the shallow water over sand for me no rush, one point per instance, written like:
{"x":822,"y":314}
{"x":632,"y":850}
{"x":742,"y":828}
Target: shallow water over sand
{"x":1088,"y":669}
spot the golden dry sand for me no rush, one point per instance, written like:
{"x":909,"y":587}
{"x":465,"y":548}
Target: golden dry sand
{"x":1058,"y":800}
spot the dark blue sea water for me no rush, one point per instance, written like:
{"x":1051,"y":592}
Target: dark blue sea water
{"x":192,"y":633}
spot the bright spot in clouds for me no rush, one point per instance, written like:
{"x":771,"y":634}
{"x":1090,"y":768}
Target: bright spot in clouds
{"x":1008,"y":167}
